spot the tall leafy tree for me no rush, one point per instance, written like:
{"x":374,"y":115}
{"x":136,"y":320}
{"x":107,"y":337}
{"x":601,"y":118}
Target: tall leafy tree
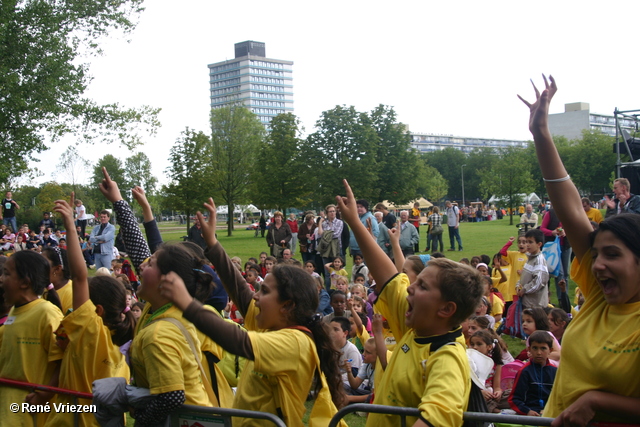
{"x":235,"y":140}
{"x":431,"y":184}
{"x":137,"y":169}
{"x":448,"y":163}
{"x":284,"y":178}
{"x":344,"y":146}
{"x":509,"y":178}
{"x":590,"y":162}
{"x":190,"y":172}
{"x":397,"y":162}
{"x":116,"y":172}
{"x":44,"y":79}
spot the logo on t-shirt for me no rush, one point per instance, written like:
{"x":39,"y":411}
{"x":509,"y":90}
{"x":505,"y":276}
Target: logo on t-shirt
{"x":405,"y":348}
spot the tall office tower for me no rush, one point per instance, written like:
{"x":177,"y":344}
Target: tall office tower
{"x":263,"y":85}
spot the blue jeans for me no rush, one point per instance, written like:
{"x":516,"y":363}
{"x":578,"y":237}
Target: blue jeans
{"x":11,"y":222}
{"x":455,"y":233}
{"x":103,"y":260}
{"x":564,"y":270}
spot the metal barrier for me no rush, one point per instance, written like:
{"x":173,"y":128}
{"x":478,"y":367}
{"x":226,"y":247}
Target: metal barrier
{"x":189,"y":415}
{"x":414,"y":412}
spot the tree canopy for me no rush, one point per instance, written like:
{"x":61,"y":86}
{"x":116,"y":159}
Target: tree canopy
{"x":43,"y":78}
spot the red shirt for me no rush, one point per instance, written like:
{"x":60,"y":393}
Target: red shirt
{"x":293,"y":224}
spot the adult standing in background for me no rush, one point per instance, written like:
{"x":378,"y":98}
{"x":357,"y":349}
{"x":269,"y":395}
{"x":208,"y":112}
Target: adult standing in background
{"x":81,"y":217}
{"x":623,"y":202}
{"x":408,"y":235}
{"x":331,"y":223}
{"x":453,"y":221}
{"x":414,"y":217}
{"x":293,"y":225}
{"x":307,"y":238}
{"x":263,"y":225}
{"x":529,"y":217}
{"x":383,"y":237}
{"x":364,"y":214}
{"x":388,"y":218}
{"x":102,"y":238}
{"x":195,"y":234}
{"x":279,"y":235}
{"x":9,"y":207}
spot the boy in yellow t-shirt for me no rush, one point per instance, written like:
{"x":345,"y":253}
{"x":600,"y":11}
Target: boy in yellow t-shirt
{"x":429,"y":368}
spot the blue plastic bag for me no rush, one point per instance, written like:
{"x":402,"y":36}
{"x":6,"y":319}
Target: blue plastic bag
{"x":552,"y":252}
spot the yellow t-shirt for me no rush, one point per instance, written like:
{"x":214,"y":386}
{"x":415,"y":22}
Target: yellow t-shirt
{"x":334,"y":275}
{"x":280,"y":376}
{"x":28,"y":352}
{"x":378,"y":371}
{"x":496,"y":277}
{"x":516,"y":261}
{"x":595,"y":215}
{"x":437,"y":383}
{"x":90,"y":355}
{"x":162,"y":360}
{"x":66,"y":297}
{"x":497,"y":306}
{"x":606,"y":343}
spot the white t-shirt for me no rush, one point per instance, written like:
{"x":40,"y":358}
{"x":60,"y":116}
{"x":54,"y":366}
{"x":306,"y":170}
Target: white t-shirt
{"x":81,"y":213}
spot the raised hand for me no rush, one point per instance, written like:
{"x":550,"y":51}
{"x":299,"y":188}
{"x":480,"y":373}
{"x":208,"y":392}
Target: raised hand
{"x":109,"y":188}
{"x":394,"y":234}
{"x":66,"y":212}
{"x":209,"y":227}
{"x":539,"y":110}
{"x":172,"y":287}
{"x":347,"y":205}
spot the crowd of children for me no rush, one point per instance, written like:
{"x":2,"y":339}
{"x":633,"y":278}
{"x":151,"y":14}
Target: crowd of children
{"x":423,"y":332}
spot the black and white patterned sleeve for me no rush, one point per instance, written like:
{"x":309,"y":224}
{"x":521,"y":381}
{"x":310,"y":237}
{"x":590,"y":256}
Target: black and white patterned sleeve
{"x":159,"y":409}
{"x":137,"y":247}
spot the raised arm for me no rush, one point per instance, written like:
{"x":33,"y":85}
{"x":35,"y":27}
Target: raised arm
{"x":396,"y":250}
{"x":137,"y":247}
{"x":80,"y":284}
{"x":562,"y":192}
{"x":154,"y":239}
{"x":381,"y":267}
{"x":232,"y":279}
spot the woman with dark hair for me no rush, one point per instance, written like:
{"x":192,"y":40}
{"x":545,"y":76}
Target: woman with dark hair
{"x":595,"y":379}
{"x":307,"y":238}
{"x":288,"y":346}
{"x":279,"y":235}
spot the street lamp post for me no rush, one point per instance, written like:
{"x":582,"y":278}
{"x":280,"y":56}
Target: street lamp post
{"x":462,"y":173}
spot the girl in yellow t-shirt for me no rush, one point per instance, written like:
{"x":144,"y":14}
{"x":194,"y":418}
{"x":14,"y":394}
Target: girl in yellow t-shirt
{"x":597,"y":379}
{"x":59,"y":275}
{"x":93,"y":332}
{"x":28,"y":351}
{"x":287,"y":345}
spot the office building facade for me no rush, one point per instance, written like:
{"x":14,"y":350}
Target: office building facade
{"x":263,"y":85}
{"x":426,"y":142}
{"x":577,"y":117}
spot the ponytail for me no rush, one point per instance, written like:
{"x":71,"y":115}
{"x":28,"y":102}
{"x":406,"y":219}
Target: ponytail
{"x":112,"y":296}
{"x":488,"y":339}
{"x":52,"y":296}
{"x":329,"y":361}
{"x":181,"y":260}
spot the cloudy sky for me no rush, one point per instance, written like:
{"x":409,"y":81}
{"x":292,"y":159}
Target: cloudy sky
{"x":446,"y":67}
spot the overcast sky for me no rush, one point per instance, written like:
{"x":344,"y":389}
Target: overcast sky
{"x":446,"y":67}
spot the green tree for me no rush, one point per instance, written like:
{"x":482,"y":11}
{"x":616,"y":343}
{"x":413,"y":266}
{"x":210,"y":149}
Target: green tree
{"x":49,"y":193}
{"x":283,"y":178}
{"x":137,"y":169}
{"x":448,"y":163}
{"x":590,"y":162}
{"x":478,"y":159}
{"x":117,"y":174}
{"x":344,"y":146}
{"x":44,"y":79}
{"x":508,"y":178}
{"x":235,"y":140}
{"x":190,"y":172}
{"x":397,"y":162}
{"x":431,"y":184}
